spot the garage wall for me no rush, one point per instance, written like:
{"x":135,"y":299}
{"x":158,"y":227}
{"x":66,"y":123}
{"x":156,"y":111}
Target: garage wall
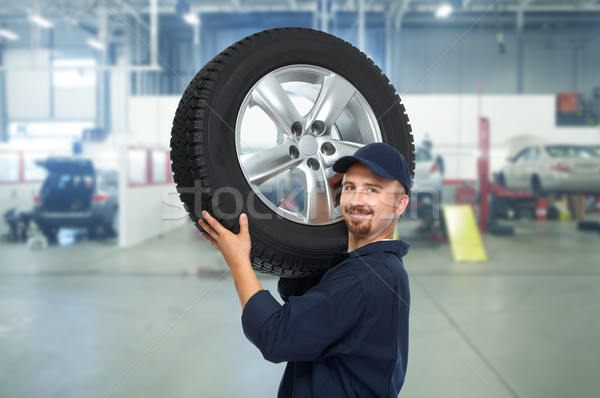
{"x":148,"y":210}
{"x":451,"y":121}
{"x":150,"y":119}
{"x":29,"y":85}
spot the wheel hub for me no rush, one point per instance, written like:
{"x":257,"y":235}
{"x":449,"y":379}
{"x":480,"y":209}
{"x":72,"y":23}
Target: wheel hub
{"x":309,"y":145}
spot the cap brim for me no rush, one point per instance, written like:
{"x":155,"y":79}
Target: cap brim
{"x":344,"y":163}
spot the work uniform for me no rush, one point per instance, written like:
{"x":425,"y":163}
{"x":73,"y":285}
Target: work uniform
{"x":345,"y":337}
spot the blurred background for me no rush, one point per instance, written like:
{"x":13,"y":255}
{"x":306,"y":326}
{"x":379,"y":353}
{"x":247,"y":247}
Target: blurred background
{"x":107,"y":289}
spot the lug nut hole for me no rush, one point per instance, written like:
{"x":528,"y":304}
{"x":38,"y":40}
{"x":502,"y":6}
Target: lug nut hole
{"x":327,"y":149}
{"x":294,"y":152}
{"x":297,"y":129}
{"x":318,"y":127}
{"x":313,"y":164}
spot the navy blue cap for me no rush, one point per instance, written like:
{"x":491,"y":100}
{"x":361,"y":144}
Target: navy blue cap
{"x":382,"y":159}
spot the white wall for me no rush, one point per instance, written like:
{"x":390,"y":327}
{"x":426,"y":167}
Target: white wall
{"x":451,"y":121}
{"x":27,"y":84}
{"x":75,"y":103}
{"x":148,"y":211}
{"x":151,"y":119}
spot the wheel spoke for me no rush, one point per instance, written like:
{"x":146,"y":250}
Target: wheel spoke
{"x":335,"y":94}
{"x":263,"y":165}
{"x":319,"y":205}
{"x":270,"y":96}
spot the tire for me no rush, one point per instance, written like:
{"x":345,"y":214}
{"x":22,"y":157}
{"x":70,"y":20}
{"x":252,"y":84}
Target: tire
{"x":49,"y":232}
{"x":536,"y":187}
{"x":501,"y":179}
{"x":278,"y":171}
{"x":588,"y":225}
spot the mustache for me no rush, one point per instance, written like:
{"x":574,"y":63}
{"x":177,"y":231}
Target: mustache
{"x":362,"y":209}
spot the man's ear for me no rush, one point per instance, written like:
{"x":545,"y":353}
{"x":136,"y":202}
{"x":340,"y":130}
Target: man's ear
{"x":401,"y":205}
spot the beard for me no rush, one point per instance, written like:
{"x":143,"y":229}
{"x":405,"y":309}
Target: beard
{"x":357,"y":227}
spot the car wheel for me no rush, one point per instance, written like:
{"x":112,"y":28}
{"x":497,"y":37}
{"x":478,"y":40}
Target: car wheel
{"x":258,"y":130}
{"x":536,"y":187}
{"x":49,"y":232}
{"x":501,"y":179}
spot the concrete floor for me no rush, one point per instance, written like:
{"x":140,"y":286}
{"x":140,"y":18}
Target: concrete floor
{"x":91,"y":320}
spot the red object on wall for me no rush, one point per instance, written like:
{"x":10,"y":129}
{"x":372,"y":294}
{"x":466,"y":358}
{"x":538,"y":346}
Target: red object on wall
{"x":483,"y":168}
{"x":567,"y":102}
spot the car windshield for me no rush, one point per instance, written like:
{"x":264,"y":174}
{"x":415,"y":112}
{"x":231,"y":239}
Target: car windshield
{"x":570,"y":151}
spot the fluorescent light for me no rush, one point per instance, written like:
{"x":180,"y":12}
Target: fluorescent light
{"x":41,"y":21}
{"x":443,"y":11}
{"x":191,"y":18}
{"x":7,"y":34}
{"x":98,"y":45}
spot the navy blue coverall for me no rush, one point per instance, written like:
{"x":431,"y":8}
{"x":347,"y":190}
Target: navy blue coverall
{"x":345,"y":337}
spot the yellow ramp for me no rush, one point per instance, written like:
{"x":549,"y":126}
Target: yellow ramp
{"x":463,"y":234}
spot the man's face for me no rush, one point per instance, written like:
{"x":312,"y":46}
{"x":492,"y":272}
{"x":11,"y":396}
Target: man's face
{"x":370,"y":204}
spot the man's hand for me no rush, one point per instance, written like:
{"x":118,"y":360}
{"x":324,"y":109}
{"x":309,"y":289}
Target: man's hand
{"x":234,"y":248}
{"x":236,"y":252}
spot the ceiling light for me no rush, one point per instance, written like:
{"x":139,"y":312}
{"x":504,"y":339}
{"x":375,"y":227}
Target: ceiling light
{"x":97,"y":44}
{"x":7,"y":34}
{"x":41,"y":21}
{"x":443,"y":11}
{"x":191,"y":18}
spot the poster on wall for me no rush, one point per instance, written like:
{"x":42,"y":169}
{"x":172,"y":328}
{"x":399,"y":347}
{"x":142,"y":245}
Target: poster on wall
{"x":572,"y":109}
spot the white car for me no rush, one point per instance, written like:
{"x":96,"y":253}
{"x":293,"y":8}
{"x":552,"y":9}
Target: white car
{"x":553,"y":168}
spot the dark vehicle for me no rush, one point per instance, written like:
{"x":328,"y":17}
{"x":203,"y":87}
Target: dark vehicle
{"x":76,"y":195}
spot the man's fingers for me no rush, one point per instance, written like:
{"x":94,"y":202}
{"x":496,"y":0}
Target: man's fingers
{"x":216,"y":226}
{"x":243,"y":224}
{"x":206,"y":227}
{"x":210,"y":239}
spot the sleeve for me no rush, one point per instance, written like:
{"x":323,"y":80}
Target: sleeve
{"x":316,"y":325}
{"x":287,"y":287}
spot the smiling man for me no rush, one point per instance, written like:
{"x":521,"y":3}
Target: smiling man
{"x":344,"y":334}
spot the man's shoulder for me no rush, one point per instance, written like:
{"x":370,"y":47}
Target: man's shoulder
{"x":369,"y":266}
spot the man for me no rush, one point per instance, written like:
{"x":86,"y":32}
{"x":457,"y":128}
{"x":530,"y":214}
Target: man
{"x":347,"y":336}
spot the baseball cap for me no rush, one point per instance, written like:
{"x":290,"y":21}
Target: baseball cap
{"x":382,"y":159}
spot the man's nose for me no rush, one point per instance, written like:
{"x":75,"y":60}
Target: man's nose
{"x":358,"y":197}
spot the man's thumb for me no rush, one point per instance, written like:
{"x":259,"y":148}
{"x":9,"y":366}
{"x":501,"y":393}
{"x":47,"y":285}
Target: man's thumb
{"x":243,"y":223}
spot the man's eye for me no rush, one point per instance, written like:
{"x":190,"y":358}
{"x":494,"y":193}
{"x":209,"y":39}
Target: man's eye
{"x":372,"y":190}
{"x":348,"y":187}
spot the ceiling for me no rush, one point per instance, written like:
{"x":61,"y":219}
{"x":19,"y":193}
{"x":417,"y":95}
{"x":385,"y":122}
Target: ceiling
{"x":87,"y":14}
{"x":16,"y":9}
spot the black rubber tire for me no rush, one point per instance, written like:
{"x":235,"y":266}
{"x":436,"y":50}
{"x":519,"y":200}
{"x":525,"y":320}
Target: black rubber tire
{"x":501,"y":230}
{"x":203,"y":152}
{"x":588,"y":225}
{"x":501,"y":179}
{"x":536,"y":187}
{"x":51,"y":233}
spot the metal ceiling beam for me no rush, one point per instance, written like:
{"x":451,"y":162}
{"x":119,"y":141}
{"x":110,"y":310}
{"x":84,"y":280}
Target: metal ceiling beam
{"x":399,"y":10}
{"x":529,"y":7}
